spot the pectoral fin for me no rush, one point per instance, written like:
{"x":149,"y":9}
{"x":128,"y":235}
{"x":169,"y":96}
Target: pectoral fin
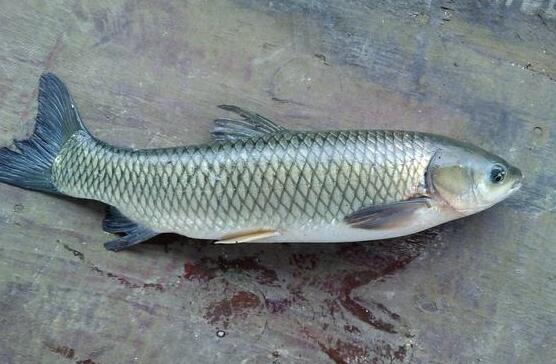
{"x":246,"y":237}
{"x":386,"y":216}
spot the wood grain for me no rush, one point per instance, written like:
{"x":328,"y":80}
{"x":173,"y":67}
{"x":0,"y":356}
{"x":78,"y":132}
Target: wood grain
{"x":149,"y":74}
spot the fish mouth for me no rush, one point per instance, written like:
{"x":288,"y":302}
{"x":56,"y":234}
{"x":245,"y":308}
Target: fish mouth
{"x":516,"y":185}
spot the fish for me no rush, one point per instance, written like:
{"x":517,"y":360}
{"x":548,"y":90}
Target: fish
{"x":257,"y":181}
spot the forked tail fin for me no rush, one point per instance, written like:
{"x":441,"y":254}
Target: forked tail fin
{"x":29,"y":166}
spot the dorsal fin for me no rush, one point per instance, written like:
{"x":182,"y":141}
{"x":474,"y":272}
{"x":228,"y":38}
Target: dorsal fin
{"x":251,"y":125}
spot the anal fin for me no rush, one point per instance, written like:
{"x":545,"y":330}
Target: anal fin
{"x":246,"y":237}
{"x":116,"y":223}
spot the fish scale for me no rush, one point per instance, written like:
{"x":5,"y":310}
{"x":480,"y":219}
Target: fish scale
{"x":281,"y":181}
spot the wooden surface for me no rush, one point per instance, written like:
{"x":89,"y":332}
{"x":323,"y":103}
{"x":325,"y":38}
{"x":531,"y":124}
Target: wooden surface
{"x":146,"y":74}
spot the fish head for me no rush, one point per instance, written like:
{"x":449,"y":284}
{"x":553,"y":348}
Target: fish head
{"x":470,"y":179}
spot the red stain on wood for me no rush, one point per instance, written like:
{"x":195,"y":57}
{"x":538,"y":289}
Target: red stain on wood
{"x":288,"y":284}
{"x":351,"y":282}
{"x":340,"y":283}
{"x":208,"y":268}
{"x":277,"y":305}
{"x":227,"y":309}
{"x":304,"y":261}
{"x":198,"y":271}
{"x":346,"y":353}
{"x":342,"y":352}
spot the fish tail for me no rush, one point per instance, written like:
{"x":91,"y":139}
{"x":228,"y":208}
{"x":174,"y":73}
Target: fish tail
{"x":29,"y":165}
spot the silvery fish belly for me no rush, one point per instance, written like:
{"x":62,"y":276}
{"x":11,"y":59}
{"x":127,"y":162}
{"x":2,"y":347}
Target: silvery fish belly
{"x":257,"y":181}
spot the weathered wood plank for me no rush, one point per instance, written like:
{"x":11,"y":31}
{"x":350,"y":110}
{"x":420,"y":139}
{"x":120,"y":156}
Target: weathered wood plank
{"x":149,"y":74}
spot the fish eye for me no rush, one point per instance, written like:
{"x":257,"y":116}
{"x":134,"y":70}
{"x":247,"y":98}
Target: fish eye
{"x":497,"y":173}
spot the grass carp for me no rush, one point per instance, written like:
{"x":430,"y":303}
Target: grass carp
{"x":258,"y":181}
